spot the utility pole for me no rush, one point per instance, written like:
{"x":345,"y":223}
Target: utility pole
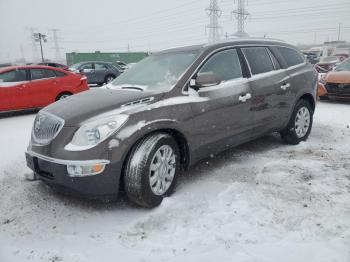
{"x":241,"y":14}
{"x":22,"y":53}
{"x":39,"y":37}
{"x":214,"y":12}
{"x":34,"y":47}
{"x":56,"y":43}
{"x":339,"y":30}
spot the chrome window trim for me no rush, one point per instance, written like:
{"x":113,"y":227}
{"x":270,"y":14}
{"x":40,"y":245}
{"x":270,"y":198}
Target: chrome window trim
{"x":36,"y":140}
{"x":69,"y":162}
{"x":238,"y":46}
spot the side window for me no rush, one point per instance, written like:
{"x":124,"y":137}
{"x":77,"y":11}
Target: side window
{"x":38,"y":73}
{"x":100,"y":67}
{"x":59,"y":74}
{"x":225,"y":65}
{"x":49,"y":73}
{"x":14,"y":76}
{"x":291,"y":56}
{"x":258,"y":59}
{"x":86,"y":66}
{"x":275,"y":61}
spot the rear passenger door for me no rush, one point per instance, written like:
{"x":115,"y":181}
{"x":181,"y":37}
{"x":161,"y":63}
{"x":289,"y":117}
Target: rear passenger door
{"x":269,"y":84}
{"x":40,"y":87}
{"x":302,"y":76}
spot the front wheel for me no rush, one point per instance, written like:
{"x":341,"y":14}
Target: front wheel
{"x":152,"y":169}
{"x":300,"y":124}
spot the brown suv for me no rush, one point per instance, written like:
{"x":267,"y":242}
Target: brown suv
{"x":167,"y":112}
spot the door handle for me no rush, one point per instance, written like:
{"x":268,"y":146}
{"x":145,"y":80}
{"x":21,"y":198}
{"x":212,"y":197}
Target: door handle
{"x":244,"y":98}
{"x":285,"y":86}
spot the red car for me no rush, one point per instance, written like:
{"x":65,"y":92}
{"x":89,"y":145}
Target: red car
{"x":31,"y":87}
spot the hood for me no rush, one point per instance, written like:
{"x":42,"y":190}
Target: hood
{"x":80,"y":107}
{"x":342,"y":77}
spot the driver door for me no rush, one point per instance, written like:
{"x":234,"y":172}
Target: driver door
{"x":224,"y":117}
{"x":89,"y":71}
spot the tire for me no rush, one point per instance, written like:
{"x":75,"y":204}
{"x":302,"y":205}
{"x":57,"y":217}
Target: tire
{"x":109,"y":78}
{"x":63,"y":96}
{"x":140,"y":170}
{"x":302,"y":116}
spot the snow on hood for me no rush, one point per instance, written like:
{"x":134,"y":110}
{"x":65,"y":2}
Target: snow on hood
{"x":80,"y":107}
{"x":342,"y":77}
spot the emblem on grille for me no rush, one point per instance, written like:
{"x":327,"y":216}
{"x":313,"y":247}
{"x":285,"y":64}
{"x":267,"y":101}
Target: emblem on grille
{"x":46,"y":127}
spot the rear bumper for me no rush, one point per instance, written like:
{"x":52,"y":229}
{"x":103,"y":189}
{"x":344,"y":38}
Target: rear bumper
{"x":54,"y":172}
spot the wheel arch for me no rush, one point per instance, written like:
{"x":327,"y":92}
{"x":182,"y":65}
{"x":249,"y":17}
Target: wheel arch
{"x":62,"y":93}
{"x":180,"y":139}
{"x":308,"y":97}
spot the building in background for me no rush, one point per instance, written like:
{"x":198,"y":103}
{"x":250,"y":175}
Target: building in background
{"x":127,"y":57}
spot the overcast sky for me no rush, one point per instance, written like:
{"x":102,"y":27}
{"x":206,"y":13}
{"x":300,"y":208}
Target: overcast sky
{"x":147,"y":25}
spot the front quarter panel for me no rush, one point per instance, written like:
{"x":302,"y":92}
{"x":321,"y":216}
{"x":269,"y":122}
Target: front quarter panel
{"x":169,"y":114}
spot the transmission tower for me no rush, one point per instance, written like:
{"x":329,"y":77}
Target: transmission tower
{"x":241,"y":14}
{"x":214,"y":12}
{"x":56,"y":43}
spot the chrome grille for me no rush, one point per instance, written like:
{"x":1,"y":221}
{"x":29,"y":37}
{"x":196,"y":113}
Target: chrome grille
{"x":46,"y":127}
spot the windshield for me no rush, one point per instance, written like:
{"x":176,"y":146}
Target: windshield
{"x":345,"y":66}
{"x":75,"y":66}
{"x":159,"y":71}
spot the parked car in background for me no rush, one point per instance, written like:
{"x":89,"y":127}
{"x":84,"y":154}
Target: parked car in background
{"x":337,"y":82}
{"x":341,"y":57}
{"x":96,"y":72}
{"x":64,"y":67}
{"x":169,"y":111}
{"x":313,"y":58}
{"x":5,"y":65}
{"x":31,"y":87}
{"x":327,"y":64}
{"x":122,"y":65}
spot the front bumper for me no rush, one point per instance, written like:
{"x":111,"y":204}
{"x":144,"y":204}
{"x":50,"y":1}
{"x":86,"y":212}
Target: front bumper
{"x":337,"y":91}
{"x":54,"y":172}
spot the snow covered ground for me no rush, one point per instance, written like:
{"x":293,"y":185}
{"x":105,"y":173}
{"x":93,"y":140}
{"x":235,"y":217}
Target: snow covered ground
{"x":261,"y":202}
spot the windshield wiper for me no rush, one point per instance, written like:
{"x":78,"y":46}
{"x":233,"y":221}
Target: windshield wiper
{"x":132,"y":87}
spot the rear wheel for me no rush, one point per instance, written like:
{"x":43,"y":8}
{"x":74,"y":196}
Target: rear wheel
{"x":63,"y":96}
{"x":152,"y":169}
{"x":300,"y":124}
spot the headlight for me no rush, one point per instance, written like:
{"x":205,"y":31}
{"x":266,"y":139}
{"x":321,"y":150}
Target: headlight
{"x":94,"y":132}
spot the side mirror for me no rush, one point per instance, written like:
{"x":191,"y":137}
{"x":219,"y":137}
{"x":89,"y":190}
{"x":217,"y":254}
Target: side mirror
{"x":204,"y":80}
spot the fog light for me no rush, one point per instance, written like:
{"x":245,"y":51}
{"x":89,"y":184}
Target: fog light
{"x":80,"y":171}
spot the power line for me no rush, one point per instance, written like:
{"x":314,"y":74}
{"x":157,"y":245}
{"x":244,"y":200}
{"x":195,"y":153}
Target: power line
{"x":35,"y":55}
